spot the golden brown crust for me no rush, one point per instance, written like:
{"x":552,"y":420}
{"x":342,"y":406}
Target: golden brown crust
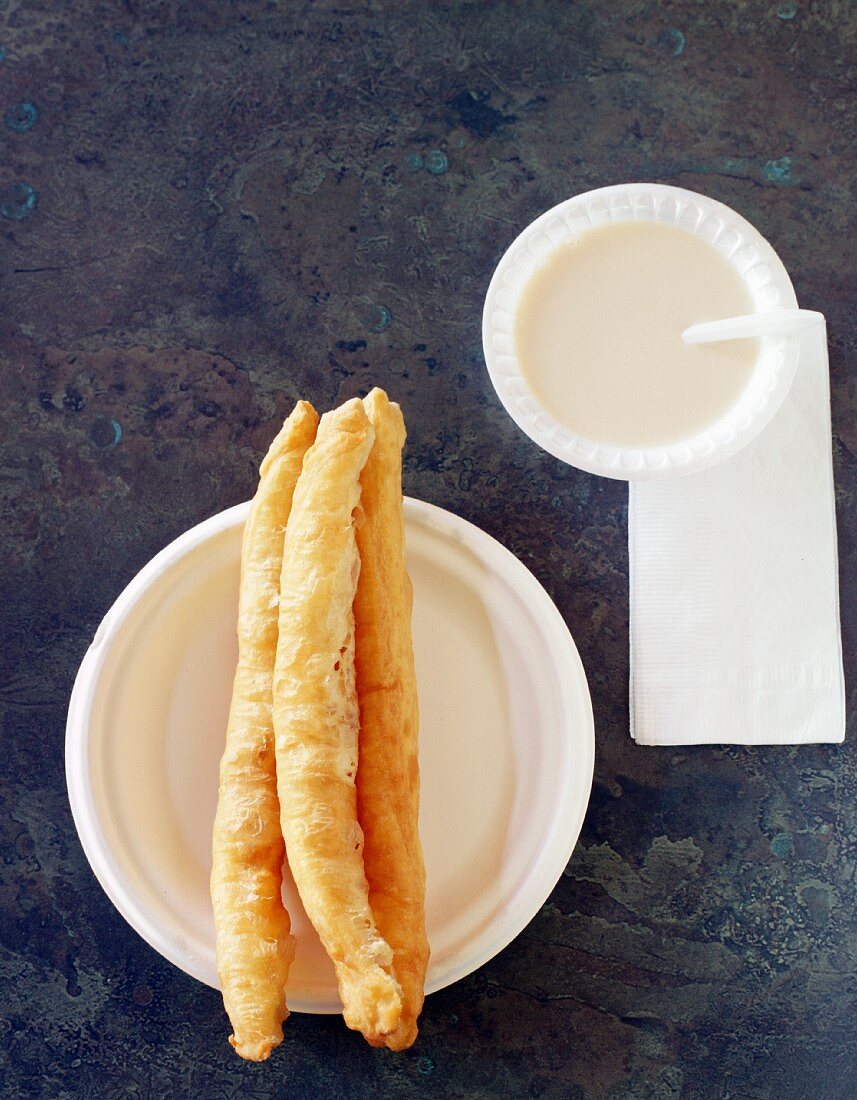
{"x":254,"y":944}
{"x":316,"y":720}
{"x":388,"y":773}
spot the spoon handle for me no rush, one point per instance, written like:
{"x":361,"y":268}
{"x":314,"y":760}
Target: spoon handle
{"x":770,"y":322}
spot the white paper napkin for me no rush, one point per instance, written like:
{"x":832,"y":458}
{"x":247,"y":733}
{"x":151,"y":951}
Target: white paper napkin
{"x":735,"y":633}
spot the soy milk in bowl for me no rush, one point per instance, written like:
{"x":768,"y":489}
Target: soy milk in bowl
{"x":583,"y":322}
{"x":598,"y":334}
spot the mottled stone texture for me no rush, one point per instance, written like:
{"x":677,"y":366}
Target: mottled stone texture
{"x":208,"y":209}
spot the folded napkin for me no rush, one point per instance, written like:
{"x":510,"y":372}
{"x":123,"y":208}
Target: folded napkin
{"x":735,"y":634}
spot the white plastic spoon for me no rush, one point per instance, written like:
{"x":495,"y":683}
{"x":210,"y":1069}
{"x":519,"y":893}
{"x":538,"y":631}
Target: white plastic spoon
{"x":771,"y":322}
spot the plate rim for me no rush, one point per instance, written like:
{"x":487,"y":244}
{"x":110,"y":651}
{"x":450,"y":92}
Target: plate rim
{"x":565,"y":822}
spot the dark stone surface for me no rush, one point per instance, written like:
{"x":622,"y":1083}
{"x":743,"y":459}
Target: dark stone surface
{"x":208,"y":209}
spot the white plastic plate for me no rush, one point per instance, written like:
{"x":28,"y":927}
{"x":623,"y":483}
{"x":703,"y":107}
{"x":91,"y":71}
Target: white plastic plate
{"x":506,"y":746}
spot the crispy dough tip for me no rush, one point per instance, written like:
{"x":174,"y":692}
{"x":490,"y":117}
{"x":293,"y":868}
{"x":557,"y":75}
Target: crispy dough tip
{"x":302,"y":419}
{"x":253,"y":1052}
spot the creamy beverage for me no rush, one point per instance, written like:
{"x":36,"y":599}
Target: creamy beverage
{"x":598,"y":335}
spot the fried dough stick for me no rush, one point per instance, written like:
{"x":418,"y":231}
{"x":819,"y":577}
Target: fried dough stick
{"x":316,"y":720}
{"x":254,"y":944}
{"x":388,"y":796}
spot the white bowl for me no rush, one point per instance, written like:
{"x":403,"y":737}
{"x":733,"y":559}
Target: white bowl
{"x":506,"y":748}
{"x":735,"y":239}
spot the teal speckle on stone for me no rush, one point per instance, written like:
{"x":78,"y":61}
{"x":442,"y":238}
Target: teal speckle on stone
{"x":672,"y":41}
{"x":381,"y":318}
{"x":371,"y":315}
{"x":787,"y":10}
{"x":17,"y":201}
{"x":105,"y":433}
{"x":21,"y":117}
{"x":436,"y":162}
{"x":778,"y":171}
{"x":782,"y":845}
